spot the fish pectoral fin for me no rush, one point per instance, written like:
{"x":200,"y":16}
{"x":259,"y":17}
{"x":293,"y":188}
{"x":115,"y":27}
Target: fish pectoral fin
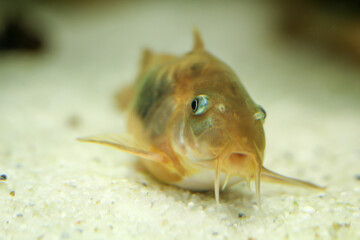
{"x":270,"y":176}
{"x":125,"y":144}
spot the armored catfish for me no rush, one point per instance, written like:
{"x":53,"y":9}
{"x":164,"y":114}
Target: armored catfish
{"x":193,"y":124}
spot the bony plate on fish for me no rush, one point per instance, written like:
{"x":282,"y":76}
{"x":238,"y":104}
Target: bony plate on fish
{"x":193,"y":124}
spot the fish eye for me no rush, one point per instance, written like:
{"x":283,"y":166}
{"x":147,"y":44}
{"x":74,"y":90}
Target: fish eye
{"x":200,"y":104}
{"x":195,"y":104}
{"x":261,"y":114}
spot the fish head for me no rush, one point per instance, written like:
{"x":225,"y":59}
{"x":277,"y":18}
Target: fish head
{"x":220,"y":124}
{"x":222,"y":121}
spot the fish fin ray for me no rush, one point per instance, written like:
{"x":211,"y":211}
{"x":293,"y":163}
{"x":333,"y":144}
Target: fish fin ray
{"x":270,"y":176}
{"x":125,"y":144}
{"x":198,"y":42}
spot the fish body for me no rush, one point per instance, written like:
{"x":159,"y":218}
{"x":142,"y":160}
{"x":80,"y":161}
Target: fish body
{"x":193,"y":124}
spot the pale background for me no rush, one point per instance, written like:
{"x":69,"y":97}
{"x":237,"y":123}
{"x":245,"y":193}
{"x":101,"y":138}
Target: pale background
{"x":65,"y":189}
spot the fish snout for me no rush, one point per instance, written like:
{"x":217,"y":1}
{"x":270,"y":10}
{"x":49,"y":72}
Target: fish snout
{"x":241,"y":164}
{"x":246,"y":134}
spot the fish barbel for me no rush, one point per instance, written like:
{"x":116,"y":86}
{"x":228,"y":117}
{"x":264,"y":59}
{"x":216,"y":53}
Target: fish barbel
{"x":193,"y":124}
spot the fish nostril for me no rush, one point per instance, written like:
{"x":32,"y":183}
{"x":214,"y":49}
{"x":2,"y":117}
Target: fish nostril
{"x":221,"y":107}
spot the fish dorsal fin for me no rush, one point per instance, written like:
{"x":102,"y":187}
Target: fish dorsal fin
{"x":198,"y":42}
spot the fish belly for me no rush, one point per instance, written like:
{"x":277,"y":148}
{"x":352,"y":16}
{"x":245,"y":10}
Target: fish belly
{"x":204,"y":181}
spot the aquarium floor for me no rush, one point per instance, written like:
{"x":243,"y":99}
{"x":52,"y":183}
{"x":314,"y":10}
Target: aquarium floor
{"x":59,"y":188}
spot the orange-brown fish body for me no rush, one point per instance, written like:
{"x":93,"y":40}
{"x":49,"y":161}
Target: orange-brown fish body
{"x":194,"y":125}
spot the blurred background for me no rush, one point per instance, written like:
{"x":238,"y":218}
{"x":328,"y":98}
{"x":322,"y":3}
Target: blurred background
{"x":303,"y":54}
{"x":101,"y":37}
{"x":331,"y":25}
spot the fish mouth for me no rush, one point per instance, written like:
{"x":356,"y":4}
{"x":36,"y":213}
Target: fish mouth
{"x":238,"y":156}
{"x":233,"y":164}
{"x":241,"y":164}
{"x":238,"y":160}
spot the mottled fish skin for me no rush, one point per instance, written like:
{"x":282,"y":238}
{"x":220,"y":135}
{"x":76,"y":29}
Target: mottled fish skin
{"x":194,"y":124}
{"x":152,"y":104}
{"x":159,"y":91}
{"x":158,"y":116}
